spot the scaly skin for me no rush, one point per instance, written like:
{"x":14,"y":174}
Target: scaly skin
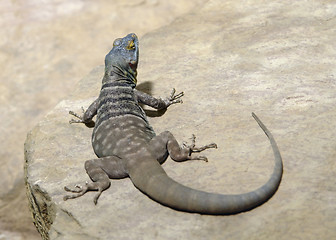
{"x":126,"y":145}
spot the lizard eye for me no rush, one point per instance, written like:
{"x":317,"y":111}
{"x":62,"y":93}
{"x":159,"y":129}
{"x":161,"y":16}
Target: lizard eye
{"x":131,"y":45}
{"x":117,"y":42}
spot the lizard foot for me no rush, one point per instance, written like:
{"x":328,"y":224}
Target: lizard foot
{"x":174,"y":98}
{"x":81,"y":190}
{"x":192,"y":149}
{"x":80,"y":118}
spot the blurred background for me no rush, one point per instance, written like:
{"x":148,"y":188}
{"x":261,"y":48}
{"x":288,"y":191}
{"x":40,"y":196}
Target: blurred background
{"x":45,"y":48}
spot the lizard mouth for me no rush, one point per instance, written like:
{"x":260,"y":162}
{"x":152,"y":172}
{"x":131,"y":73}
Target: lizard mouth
{"x":133,"y":65}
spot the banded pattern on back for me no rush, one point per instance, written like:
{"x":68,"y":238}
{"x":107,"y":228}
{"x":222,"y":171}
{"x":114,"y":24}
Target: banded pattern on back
{"x":117,"y":99}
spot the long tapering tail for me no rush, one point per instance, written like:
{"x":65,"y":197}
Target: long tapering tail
{"x":151,"y":179}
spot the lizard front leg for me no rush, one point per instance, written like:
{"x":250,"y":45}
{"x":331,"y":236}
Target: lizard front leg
{"x":100,"y":171}
{"x":86,"y":116}
{"x":159,"y":103}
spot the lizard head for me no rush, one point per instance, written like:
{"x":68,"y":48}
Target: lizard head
{"x":123,"y":57}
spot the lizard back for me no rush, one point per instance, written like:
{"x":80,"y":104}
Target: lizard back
{"x":119,"y":119}
{"x":117,"y":99}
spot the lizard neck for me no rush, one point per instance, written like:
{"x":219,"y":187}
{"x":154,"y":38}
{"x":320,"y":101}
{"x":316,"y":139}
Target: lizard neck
{"x":116,"y":73}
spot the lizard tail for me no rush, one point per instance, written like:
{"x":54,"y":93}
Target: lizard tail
{"x":151,"y":179}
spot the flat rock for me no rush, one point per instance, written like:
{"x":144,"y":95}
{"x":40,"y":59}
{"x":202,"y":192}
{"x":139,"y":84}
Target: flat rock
{"x":45,"y":49}
{"x":274,"y":59}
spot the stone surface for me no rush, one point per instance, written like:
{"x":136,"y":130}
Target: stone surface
{"x":230,"y":58}
{"x":45,"y":48}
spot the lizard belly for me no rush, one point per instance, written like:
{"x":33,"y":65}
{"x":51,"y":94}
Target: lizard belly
{"x":121,"y":135}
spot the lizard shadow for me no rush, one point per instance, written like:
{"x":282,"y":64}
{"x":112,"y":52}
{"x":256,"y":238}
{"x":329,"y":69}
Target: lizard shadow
{"x":147,"y":87}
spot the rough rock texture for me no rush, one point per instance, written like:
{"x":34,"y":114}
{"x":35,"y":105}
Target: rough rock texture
{"x":230,"y":58}
{"x":45,"y":48}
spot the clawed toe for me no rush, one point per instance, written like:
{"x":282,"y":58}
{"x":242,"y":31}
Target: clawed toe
{"x":78,"y":191}
{"x":202,"y":158}
{"x":175,"y":98}
{"x":95,"y":199}
{"x":68,"y":189}
{"x":80,"y":118}
{"x":213,"y":145}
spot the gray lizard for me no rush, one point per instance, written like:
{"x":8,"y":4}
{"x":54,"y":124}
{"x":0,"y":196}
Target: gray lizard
{"x":126,"y":145}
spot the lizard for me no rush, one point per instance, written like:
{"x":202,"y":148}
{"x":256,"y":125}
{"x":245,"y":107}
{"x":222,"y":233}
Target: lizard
{"x":127,"y":146}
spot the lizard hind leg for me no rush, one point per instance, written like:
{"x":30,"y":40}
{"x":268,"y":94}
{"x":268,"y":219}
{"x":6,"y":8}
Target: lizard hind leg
{"x":100,"y":171}
{"x":166,"y":142}
{"x":193,"y":149}
{"x":81,"y":190}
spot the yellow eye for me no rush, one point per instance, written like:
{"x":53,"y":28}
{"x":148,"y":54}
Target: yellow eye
{"x":130,"y":45}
